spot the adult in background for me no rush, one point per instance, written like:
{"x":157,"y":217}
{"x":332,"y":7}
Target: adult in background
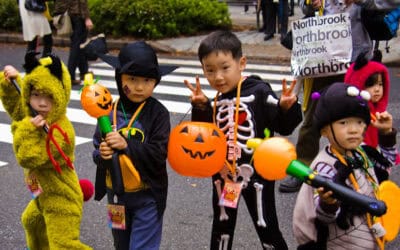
{"x":277,"y":15}
{"x":308,"y":140}
{"x":81,"y":24}
{"x":35,"y":25}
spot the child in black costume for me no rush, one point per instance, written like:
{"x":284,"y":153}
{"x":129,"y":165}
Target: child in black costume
{"x":243,"y":108}
{"x":141,"y":129}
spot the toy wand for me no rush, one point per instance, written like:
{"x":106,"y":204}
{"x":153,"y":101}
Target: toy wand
{"x":272,"y":159}
{"x":96,"y":100}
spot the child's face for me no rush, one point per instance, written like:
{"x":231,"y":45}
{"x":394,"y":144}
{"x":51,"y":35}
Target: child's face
{"x":348,"y":133}
{"x":42,"y":103}
{"x":376,"y":90}
{"x":137,"y":88}
{"x":222,"y":71}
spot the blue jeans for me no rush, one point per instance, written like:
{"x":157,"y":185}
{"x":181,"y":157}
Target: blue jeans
{"x":143,"y":223}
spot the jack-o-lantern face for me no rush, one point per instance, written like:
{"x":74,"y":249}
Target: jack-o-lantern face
{"x":96,"y":100}
{"x":197,"y":149}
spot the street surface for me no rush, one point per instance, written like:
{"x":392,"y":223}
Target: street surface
{"x":187,"y":223}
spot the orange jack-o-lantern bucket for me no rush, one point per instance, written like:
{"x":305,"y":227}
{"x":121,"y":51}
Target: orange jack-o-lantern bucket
{"x":197,"y":149}
{"x":96,"y":100}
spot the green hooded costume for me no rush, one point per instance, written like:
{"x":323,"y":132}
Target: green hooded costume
{"x":52,"y":219}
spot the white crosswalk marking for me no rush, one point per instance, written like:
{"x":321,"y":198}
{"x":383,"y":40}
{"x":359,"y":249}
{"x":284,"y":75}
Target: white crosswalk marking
{"x":6,"y":135}
{"x":171,"y":92}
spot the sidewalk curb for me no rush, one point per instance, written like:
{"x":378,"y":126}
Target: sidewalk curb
{"x":265,"y":52}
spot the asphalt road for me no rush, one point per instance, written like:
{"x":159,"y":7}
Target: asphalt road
{"x":188,"y":215}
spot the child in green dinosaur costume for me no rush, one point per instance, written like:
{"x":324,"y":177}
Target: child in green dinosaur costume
{"x":52,"y":218}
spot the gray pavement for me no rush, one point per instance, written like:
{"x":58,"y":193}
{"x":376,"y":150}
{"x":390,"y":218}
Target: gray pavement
{"x":245,"y":26}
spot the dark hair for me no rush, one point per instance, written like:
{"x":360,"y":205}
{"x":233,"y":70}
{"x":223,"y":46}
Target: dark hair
{"x":221,"y":40}
{"x":371,"y":80}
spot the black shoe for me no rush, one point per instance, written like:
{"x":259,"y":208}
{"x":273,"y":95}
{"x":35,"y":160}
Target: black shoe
{"x":267,"y":37}
{"x":290,"y":185}
{"x":76,"y":82}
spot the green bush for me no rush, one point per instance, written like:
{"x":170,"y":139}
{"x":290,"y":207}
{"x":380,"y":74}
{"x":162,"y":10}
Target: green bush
{"x":9,"y":16}
{"x":154,"y":19}
{"x":150,"y":19}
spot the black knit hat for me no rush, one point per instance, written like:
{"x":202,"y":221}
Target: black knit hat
{"x":340,"y":101}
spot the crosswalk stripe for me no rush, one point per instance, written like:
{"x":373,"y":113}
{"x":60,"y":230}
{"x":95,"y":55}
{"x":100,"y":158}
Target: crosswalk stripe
{"x":162,"y":88}
{"x":249,"y":66}
{"x":80,"y":116}
{"x":75,"y":115}
{"x":6,"y":135}
{"x":203,"y":81}
{"x":195,"y":71}
{"x":2,"y":163}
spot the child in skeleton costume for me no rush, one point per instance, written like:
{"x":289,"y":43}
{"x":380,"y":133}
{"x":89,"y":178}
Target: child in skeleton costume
{"x":142,"y":128}
{"x":320,"y":221}
{"x":243,"y":108}
{"x":52,"y":218}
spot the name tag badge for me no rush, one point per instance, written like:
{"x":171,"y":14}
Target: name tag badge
{"x":116,"y":216}
{"x":33,"y":185}
{"x":230,"y":194}
{"x":378,"y":230}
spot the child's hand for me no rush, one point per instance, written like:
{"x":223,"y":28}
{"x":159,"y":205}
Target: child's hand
{"x":10,"y":72}
{"x":197,"y":98}
{"x":316,"y":4}
{"x":38,"y":121}
{"x":326,"y":196}
{"x":106,"y":152}
{"x":326,"y":201}
{"x":88,"y":23}
{"x":288,"y":98}
{"x":116,"y":141}
{"x":383,"y":122}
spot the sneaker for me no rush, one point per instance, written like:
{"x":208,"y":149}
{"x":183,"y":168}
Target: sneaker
{"x":290,"y":185}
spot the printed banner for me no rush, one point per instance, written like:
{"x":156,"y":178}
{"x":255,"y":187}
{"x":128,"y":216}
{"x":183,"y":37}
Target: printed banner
{"x":322,"y":45}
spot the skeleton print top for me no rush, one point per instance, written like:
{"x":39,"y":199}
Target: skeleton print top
{"x":255,"y":114}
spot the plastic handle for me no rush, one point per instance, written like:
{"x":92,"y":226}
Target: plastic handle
{"x":368,"y":204}
{"x":104,"y":124}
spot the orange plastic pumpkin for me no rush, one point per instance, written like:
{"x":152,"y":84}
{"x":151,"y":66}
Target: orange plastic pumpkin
{"x":389,"y":192}
{"x":96,"y":100}
{"x":273,"y":156}
{"x":197,"y":149}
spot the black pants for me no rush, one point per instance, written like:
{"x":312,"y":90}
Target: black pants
{"x":47,"y":44}
{"x":277,"y":14}
{"x":269,"y":235}
{"x":77,"y":59}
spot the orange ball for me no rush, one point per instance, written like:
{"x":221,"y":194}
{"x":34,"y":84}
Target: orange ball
{"x":273,"y":156}
{"x":197,"y":149}
{"x":96,"y":100}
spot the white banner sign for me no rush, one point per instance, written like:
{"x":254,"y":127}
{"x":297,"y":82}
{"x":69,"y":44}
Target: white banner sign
{"x":322,"y":45}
